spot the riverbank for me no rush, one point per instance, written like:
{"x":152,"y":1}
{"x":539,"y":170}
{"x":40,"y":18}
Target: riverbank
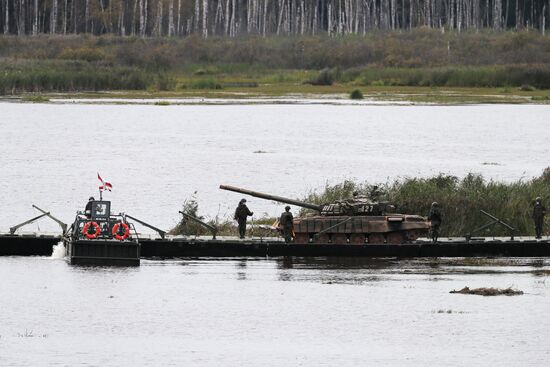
{"x":298,"y":94}
{"x":420,"y":66}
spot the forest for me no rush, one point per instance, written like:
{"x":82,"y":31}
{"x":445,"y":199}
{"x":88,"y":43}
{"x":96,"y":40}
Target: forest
{"x":179,"y":18}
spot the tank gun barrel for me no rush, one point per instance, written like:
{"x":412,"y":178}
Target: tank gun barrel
{"x":280,"y":199}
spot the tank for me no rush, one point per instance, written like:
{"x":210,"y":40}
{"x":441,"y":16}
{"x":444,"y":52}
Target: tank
{"x":355,"y":221}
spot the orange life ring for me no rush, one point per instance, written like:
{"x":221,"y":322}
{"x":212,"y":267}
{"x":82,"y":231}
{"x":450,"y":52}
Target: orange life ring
{"x":88,"y":235}
{"x":124,"y":235}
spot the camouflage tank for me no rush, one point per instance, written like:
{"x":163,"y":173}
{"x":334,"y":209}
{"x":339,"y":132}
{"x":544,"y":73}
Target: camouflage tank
{"x":355,"y":221}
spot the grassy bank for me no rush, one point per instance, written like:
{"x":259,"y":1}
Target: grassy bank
{"x":419,"y":63}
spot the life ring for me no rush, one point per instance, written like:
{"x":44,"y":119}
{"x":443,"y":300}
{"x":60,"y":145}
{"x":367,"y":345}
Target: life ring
{"x":124,"y":235}
{"x":89,"y":235}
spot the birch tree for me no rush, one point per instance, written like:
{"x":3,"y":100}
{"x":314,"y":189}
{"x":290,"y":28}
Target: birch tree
{"x":205,"y":18}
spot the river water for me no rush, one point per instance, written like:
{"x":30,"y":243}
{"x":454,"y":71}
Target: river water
{"x":156,"y":157}
{"x":264,"y":312}
{"x":260,"y":312}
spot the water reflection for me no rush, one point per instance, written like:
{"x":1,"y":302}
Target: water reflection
{"x":241,"y":267}
{"x":334,"y":263}
{"x":355,"y":312}
{"x":285,"y":266}
{"x":368,"y":270}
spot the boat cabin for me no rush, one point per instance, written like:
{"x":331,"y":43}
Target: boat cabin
{"x":98,"y":237}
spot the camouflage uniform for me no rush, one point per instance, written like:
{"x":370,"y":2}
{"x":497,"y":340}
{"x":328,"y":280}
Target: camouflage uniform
{"x":435,"y":218}
{"x":241,"y":213}
{"x":539,"y":211}
{"x":287,"y":223}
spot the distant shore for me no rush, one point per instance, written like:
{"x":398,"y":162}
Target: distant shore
{"x":417,"y":67}
{"x":298,"y":94}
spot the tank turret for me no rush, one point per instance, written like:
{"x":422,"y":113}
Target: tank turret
{"x":358,"y":206}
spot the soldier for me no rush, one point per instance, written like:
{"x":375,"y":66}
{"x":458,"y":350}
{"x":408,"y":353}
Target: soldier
{"x":375,"y":193}
{"x":539,"y":211}
{"x":241,"y":213}
{"x":287,"y":223}
{"x":88,"y":208}
{"x":435,"y":218}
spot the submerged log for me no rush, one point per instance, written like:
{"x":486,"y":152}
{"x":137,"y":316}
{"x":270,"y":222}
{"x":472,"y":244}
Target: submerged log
{"x":489,"y":291}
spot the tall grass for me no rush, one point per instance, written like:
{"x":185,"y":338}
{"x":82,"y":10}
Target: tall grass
{"x":460,"y":199}
{"x":70,"y":76}
{"x":537,"y":75}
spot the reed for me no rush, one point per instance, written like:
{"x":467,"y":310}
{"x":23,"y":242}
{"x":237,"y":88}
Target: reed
{"x":523,"y":76}
{"x":70,"y":76}
{"x":460,"y":199}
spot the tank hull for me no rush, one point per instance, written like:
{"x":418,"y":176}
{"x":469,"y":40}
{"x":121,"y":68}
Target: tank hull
{"x":360,"y":230}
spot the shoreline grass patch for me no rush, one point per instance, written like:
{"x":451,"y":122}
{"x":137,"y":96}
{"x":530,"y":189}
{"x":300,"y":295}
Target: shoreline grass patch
{"x":35,"y":99}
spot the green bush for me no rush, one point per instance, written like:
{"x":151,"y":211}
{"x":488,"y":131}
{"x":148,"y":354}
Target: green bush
{"x":527,"y":88}
{"x":325,"y":77}
{"x":188,"y":226}
{"x":206,"y":84}
{"x":165,"y":82}
{"x":356,"y":94}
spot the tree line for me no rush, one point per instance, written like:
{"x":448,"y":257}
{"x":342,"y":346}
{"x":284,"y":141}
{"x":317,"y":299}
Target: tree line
{"x":156,"y":18}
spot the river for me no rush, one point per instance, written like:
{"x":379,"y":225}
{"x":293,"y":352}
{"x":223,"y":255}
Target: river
{"x":245,"y":312}
{"x":261,"y":312}
{"x":157,"y":157}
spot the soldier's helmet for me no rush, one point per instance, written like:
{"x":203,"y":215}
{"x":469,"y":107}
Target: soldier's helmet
{"x":538,"y":199}
{"x":91,"y":198}
{"x":355,"y":193}
{"x":435,"y":203}
{"x":242,"y":201}
{"x":287,"y":208}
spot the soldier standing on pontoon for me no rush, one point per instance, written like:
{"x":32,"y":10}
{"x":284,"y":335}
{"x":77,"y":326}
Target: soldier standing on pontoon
{"x":287,"y":223}
{"x":435,"y":218}
{"x":539,"y":211}
{"x":241,"y":213}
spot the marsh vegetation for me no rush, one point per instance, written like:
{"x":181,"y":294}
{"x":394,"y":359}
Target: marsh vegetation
{"x":460,"y":200}
{"x":514,"y":62}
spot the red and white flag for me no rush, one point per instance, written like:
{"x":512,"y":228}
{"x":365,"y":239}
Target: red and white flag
{"x":104,"y":185}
